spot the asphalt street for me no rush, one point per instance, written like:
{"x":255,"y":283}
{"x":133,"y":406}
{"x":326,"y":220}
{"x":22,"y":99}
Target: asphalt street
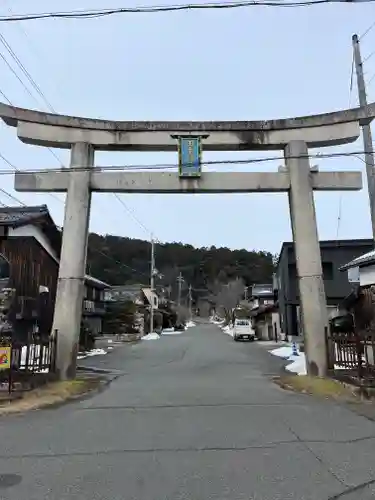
{"x":194,"y":416}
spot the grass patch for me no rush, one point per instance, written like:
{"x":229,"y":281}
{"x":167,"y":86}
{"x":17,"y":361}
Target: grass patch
{"x":318,"y":386}
{"x":53,"y":393}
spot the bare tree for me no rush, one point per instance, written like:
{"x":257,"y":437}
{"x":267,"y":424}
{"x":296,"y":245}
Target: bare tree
{"x":229,"y":297}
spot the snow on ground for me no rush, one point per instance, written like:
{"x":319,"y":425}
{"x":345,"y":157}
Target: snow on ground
{"x":93,"y":352}
{"x":298,"y":366}
{"x":282,"y":352}
{"x":190,"y":324}
{"x":227,"y":329}
{"x":96,"y":352}
{"x":151,"y":336}
{"x":171,"y":331}
{"x":297,"y":363}
{"x":216,"y":322}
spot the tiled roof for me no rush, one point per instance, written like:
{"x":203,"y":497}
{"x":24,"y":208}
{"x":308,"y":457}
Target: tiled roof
{"x":96,"y":282}
{"x":19,"y":216}
{"x":363,"y":260}
{"x":16,"y":216}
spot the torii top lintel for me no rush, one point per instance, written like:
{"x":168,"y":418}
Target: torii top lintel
{"x":61,"y":131}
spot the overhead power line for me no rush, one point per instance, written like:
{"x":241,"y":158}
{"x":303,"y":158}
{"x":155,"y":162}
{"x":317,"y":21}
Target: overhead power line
{"x":95,"y":13}
{"x":48,"y":104}
{"x":164,"y":166}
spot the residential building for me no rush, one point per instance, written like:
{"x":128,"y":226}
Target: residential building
{"x":334,"y":254}
{"x":261,"y":295}
{"x":361,"y":271}
{"x":137,"y":293}
{"x":264,"y":312}
{"x":31,"y":242}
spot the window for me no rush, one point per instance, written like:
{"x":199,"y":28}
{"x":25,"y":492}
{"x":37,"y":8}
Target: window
{"x":327,"y":270}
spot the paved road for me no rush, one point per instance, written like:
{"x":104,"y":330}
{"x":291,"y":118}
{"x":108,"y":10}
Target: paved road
{"x":194,"y":417}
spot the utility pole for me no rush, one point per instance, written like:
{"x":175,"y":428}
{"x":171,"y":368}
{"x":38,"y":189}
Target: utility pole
{"x":152,"y":285}
{"x":366,"y":130}
{"x":180,"y":279}
{"x":190,"y":304}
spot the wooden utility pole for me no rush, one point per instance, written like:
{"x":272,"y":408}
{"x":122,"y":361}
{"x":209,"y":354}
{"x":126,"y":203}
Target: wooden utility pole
{"x":180,"y":279}
{"x":190,"y":304}
{"x":152,"y":284}
{"x":366,"y":130}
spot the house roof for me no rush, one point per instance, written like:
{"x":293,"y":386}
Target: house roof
{"x":148,"y":293}
{"x":363,"y":260}
{"x":39,"y":216}
{"x":95,"y":282}
{"x":18,"y":216}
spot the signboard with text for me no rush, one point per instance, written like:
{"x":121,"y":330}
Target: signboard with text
{"x":189,"y":156}
{"x":5,"y":354}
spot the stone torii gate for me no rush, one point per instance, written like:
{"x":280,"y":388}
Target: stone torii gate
{"x":83,"y":136}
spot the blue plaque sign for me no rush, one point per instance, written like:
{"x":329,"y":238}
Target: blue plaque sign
{"x":189,"y":156}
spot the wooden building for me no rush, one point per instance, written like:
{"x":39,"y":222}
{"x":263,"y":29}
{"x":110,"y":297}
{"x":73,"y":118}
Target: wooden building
{"x":31,"y":242}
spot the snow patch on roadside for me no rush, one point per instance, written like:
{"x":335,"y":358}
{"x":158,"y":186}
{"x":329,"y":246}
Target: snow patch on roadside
{"x":282,"y":352}
{"x":297,"y":363}
{"x":227,"y":329}
{"x":151,"y":336}
{"x":298,"y":366}
{"x":93,"y":352}
{"x":216,"y":322}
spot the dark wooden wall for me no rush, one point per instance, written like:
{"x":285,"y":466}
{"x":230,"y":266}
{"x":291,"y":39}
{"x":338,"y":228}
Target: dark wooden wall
{"x":31,"y":267}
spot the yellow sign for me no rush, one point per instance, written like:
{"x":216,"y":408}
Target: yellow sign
{"x":5,"y":354}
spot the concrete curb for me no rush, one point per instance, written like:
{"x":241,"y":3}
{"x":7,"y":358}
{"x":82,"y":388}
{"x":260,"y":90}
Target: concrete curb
{"x":103,"y":371}
{"x":102,"y":385}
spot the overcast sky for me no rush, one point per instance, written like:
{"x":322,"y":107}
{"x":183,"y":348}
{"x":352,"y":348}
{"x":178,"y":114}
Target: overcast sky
{"x":250,"y":64}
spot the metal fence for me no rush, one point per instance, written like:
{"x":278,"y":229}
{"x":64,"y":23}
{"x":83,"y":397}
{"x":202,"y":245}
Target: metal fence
{"x":32,"y":363}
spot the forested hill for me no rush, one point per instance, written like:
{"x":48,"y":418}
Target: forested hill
{"x":117,"y":260}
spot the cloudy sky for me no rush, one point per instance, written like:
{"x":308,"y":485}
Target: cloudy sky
{"x":254,"y":63}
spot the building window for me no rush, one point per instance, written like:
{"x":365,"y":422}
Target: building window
{"x":327,"y":270}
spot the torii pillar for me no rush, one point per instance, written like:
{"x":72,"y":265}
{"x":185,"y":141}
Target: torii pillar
{"x":82,"y":135}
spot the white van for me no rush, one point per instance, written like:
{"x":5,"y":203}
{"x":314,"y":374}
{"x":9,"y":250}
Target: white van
{"x":243,"y":330}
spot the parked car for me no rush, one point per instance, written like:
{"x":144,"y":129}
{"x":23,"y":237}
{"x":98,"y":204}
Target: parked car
{"x":243,"y":330}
